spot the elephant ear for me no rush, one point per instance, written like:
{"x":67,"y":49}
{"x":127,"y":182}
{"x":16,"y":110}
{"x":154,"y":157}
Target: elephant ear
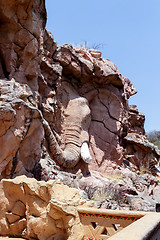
{"x":85,"y":154}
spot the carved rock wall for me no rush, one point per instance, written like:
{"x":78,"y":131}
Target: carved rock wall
{"x":54,"y":99}
{"x":64,"y":115}
{"x":32,"y":209}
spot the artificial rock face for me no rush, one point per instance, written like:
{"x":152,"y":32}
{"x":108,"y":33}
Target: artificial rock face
{"x":39,"y":210}
{"x":106,"y":91}
{"x":62,"y":103}
{"x":21,"y":131}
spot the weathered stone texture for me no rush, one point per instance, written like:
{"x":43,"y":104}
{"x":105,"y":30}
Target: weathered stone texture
{"x":54,"y":99}
{"x":21,"y":132}
{"x":63,"y":108}
{"x":32,"y":209}
{"x":64,"y":115}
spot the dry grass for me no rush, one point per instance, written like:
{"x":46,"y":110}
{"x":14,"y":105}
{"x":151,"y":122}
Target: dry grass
{"x":109,"y":193}
{"x":114,"y":177}
{"x":143,"y":170}
{"x":97,"y":196}
{"x":158,"y":178}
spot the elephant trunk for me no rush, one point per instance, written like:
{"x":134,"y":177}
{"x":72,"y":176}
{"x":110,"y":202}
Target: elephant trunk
{"x":68,"y":157}
{"x":72,"y":153}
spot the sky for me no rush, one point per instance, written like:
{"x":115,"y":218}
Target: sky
{"x":129,"y":34}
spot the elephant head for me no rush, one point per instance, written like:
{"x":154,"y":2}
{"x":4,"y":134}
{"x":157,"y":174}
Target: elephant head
{"x":90,"y":90}
{"x":75,"y":117}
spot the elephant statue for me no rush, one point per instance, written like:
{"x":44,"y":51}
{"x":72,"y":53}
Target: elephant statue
{"x":76,"y":120}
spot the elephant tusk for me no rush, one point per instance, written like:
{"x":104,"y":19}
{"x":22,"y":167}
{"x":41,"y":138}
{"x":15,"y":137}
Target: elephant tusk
{"x":85,"y":154}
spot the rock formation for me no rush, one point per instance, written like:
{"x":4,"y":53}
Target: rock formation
{"x":64,"y":115}
{"x":63,"y":103}
{"x":36,"y":210}
{"x":42,"y":210}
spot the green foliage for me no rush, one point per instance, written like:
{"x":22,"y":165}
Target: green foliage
{"x":154,"y":137}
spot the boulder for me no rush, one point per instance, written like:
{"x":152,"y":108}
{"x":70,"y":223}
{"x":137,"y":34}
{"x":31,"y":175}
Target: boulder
{"x":33,"y":209}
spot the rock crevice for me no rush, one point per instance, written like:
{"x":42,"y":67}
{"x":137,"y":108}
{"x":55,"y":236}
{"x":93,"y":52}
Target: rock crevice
{"x":64,"y":113}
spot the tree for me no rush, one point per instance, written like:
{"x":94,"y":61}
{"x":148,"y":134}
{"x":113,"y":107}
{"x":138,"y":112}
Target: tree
{"x":154,"y":137}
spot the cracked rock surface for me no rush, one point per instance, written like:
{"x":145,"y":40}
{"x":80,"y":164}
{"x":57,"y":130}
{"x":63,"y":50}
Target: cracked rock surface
{"x":54,"y":99}
{"x":39,"y":210}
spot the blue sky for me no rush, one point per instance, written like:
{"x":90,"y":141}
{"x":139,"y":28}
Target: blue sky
{"x":129,"y":31}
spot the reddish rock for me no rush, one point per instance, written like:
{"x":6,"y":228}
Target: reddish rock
{"x":47,"y":89}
